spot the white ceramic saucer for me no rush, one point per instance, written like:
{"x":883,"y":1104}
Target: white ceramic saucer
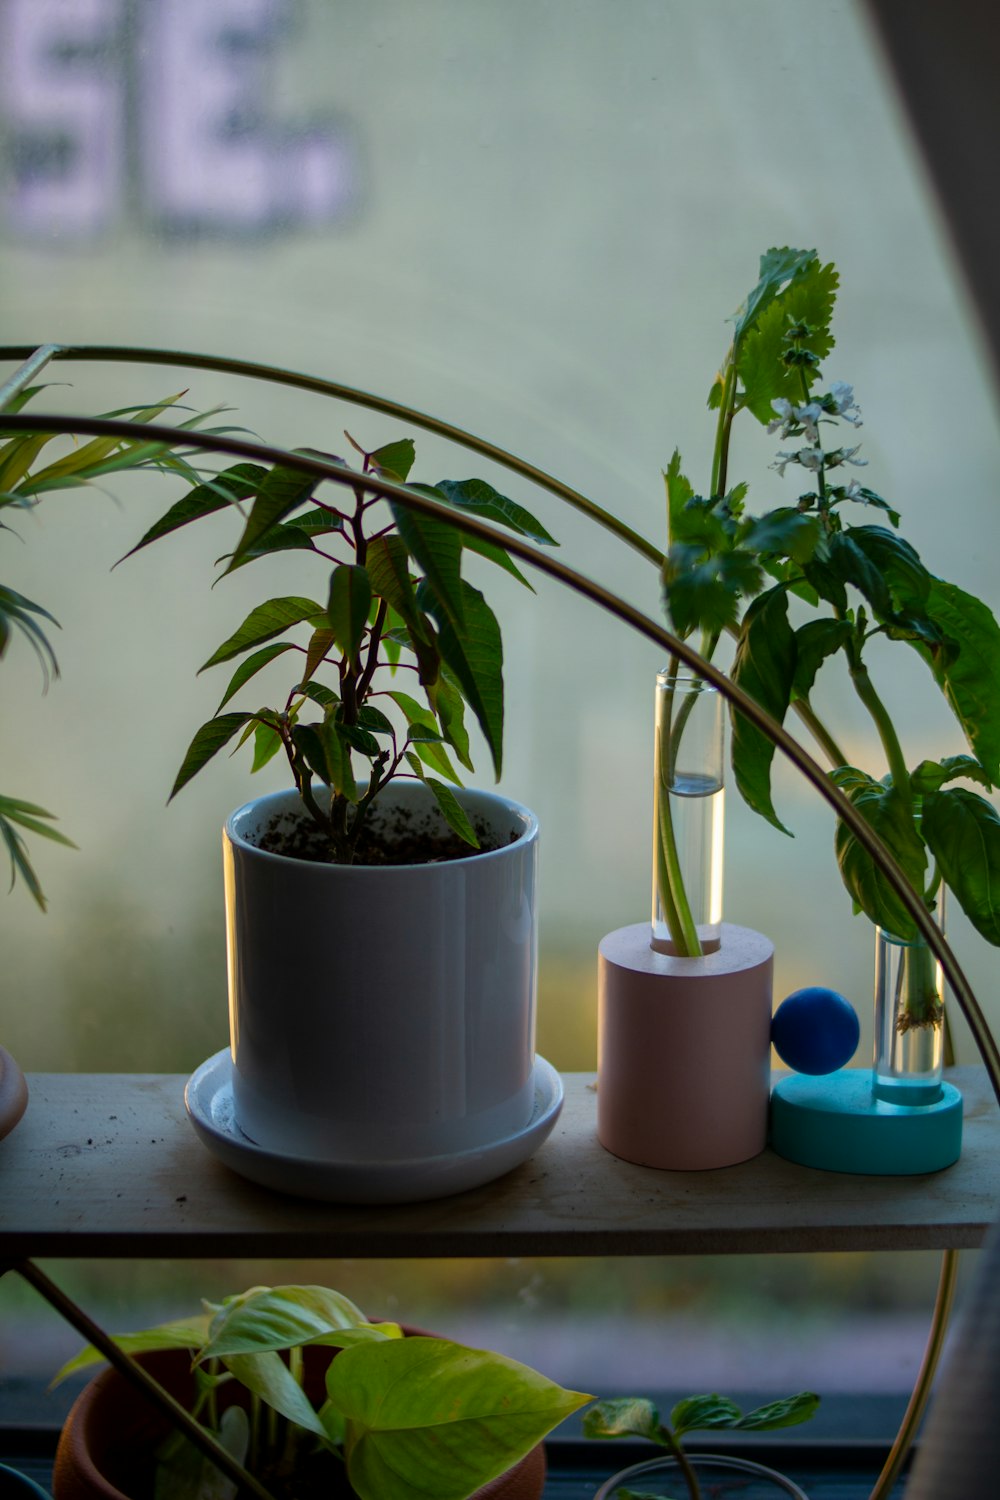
{"x":208,"y":1099}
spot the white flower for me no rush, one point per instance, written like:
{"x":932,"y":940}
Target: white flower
{"x":809,"y":458}
{"x":809,"y":416}
{"x":785,"y":417}
{"x":842,"y":396}
{"x":839,"y":456}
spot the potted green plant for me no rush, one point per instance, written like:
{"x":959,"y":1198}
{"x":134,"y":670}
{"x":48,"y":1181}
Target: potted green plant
{"x":378,"y":914}
{"x":25,"y":477}
{"x":310,"y":1398}
{"x":828,"y":574}
{"x":659,"y":1478}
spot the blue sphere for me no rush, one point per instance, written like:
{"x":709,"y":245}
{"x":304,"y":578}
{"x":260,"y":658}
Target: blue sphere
{"x":815,"y":1030}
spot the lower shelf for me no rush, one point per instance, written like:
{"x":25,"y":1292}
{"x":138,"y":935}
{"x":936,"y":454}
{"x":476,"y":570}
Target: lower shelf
{"x":576,"y":1470}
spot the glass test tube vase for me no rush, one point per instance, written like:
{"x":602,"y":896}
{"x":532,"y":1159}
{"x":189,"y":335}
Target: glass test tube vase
{"x":684,"y":1004}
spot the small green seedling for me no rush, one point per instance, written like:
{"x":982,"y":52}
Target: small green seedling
{"x":635,"y":1416}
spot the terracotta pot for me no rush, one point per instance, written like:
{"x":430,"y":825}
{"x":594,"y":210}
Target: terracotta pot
{"x":105,"y":1448}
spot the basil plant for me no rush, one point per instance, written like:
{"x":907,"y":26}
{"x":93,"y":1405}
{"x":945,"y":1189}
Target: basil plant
{"x":394,"y":601}
{"x":811,"y":585}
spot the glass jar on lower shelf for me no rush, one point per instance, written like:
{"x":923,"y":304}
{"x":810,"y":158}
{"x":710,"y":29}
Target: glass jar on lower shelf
{"x":909,"y":1019}
{"x":721,"y":1477}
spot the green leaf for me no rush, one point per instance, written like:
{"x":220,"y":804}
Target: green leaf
{"x":347,"y":609}
{"x":425,"y":1416}
{"x":281,"y":492}
{"x":930,"y":775}
{"x":209,"y":740}
{"x":454,"y":813}
{"x":962,"y":831}
{"x":777,"y":266}
{"x":388,"y":564}
{"x":477,"y":498}
{"x":814,"y":642}
{"x":969,"y":671}
{"x":264,"y":622}
{"x":474,"y":654}
{"x":20,"y":864}
{"x":786,"y":532}
{"x":788,"y":1412}
{"x":237,"y":483}
{"x":433,"y":754}
{"x":497,"y":555}
{"x":888,"y":814}
{"x":373,"y":719}
{"x":704,"y":1412}
{"x":328,"y":754}
{"x":679,"y":493}
{"x":86,"y":459}
{"x":704,"y":592}
{"x":266,"y":744}
{"x":181,"y":1333}
{"x":281,"y":1317}
{"x":437,"y":547}
{"x":808,"y":298}
{"x":848,"y":563}
{"x":320,"y":643}
{"x":624,"y":1416}
{"x":764,"y":667}
{"x":18,"y":813}
{"x":395,"y":460}
{"x":358,"y":739}
{"x":251,"y":666}
{"x":268,"y":1377}
{"x":448,"y":704}
{"x":898,"y":564}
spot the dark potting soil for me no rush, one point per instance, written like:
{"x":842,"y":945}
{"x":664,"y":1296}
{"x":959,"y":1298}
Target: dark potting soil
{"x":402,"y":837}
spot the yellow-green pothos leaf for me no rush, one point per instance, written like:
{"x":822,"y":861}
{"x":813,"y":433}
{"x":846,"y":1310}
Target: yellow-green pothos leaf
{"x":180,"y":1333}
{"x":280,"y":1317}
{"x":428,"y":1417}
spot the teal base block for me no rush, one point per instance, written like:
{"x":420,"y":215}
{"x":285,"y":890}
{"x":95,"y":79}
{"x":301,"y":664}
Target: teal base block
{"x":835,"y":1122}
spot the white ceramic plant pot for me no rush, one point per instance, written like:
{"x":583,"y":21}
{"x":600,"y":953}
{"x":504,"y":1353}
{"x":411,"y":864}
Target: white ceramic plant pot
{"x":382,"y":1013}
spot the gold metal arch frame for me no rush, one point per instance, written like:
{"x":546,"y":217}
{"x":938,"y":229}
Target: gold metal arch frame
{"x":34,"y":360}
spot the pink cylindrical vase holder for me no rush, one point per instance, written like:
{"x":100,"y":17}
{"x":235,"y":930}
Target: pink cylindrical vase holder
{"x":684,"y":1050}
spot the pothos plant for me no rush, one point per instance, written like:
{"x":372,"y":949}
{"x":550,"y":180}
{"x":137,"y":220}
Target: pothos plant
{"x":398,"y":1417}
{"x":814,"y":583}
{"x":636,"y":1416}
{"x":23,"y":482}
{"x":395,"y":602}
